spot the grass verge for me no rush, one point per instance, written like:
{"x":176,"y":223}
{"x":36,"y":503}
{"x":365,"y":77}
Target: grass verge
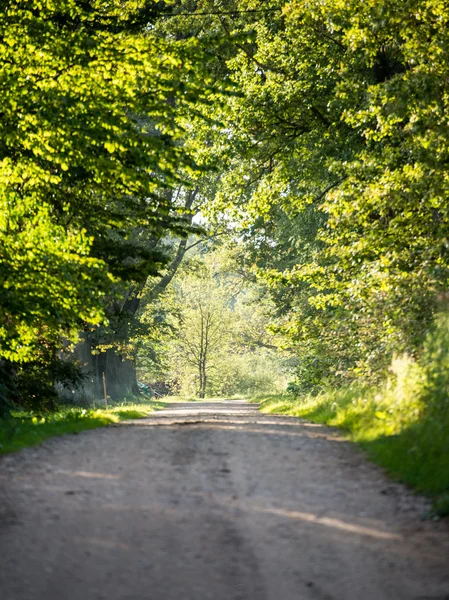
{"x":23,"y":429}
{"x":411,"y":445}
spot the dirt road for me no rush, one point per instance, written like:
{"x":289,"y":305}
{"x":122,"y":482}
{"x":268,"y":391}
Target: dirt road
{"x":212,"y":501}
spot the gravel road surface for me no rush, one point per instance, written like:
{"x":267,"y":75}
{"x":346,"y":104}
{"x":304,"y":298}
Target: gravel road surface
{"x":212,"y":501}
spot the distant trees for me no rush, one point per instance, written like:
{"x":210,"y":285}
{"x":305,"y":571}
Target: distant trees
{"x":204,"y":329}
{"x":212,"y":332}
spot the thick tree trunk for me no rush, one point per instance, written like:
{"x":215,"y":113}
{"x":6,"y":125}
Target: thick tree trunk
{"x":119,"y":372}
{"x":204,"y":378}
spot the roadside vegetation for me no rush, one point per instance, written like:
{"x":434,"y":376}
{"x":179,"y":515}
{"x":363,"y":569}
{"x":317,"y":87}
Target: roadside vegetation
{"x":403,"y":424}
{"x":228,"y":197}
{"x":22,"y":429}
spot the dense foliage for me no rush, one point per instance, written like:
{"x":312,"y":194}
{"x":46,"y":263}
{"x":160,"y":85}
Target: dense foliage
{"x":91,"y":111}
{"x":327,"y":166}
{"x":334,"y":166}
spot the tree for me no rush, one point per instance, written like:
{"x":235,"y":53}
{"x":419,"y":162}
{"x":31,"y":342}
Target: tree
{"x":207,"y":333}
{"x":340,"y":125}
{"x":91,"y":122}
{"x":204,"y":324}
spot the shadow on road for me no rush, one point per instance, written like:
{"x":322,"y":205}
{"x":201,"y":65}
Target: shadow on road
{"x":213,"y":501}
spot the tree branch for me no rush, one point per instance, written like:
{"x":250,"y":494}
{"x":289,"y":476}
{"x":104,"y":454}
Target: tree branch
{"x":211,"y":237}
{"x":176,"y":262}
{"x":328,"y":189}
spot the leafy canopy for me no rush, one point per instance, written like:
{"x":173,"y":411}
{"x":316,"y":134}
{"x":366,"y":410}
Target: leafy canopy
{"x":334,"y":164}
{"x":91,"y":105}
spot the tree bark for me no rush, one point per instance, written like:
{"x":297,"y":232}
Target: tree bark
{"x":120,"y":371}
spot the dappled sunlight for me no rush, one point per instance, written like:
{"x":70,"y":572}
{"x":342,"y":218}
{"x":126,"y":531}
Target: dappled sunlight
{"x":203,"y":493}
{"x":90,"y":474}
{"x":204,"y":411}
{"x":194,"y":408}
{"x":102,"y":543}
{"x":229,"y":504}
{"x":338,"y":531}
{"x":253,"y":426}
{"x":307,"y":517}
{"x":329,"y":522}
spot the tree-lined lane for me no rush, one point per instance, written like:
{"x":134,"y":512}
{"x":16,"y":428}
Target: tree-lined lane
{"x":212,"y":500}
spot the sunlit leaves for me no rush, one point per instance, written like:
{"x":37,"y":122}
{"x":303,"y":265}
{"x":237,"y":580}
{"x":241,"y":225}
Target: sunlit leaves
{"x":91,"y":107}
{"x":335,"y":163}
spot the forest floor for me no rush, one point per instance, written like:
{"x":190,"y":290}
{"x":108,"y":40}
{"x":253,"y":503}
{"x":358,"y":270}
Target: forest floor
{"x":212,"y":500}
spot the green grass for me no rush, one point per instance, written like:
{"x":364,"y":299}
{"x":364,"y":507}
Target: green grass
{"x":24,"y":429}
{"x":410,"y":444}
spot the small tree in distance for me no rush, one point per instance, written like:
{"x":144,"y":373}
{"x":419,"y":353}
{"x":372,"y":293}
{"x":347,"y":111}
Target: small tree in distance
{"x":205,"y":332}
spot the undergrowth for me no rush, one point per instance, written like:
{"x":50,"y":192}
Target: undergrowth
{"x":22,"y":429}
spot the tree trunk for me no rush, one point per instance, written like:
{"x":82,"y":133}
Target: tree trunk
{"x":120,"y":372}
{"x":120,"y":375}
{"x":204,"y":382}
{"x":203,"y":378}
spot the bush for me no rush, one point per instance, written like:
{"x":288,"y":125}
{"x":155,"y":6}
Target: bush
{"x":32,"y":385}
{"x":435,"y":365}
{"x":403,"y":424}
